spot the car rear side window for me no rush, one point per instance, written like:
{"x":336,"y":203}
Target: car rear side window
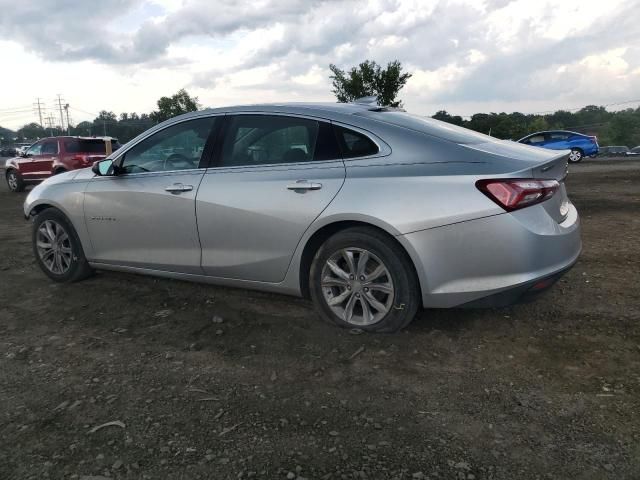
{"x":270,"y":139}
{"x":354,"y":144}
{"x":76,"y":145}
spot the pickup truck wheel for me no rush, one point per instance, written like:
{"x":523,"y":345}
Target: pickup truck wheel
{"x":14,"y":181}
{"x":59,"y":170}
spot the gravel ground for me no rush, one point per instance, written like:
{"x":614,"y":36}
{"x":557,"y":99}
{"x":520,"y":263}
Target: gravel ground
{"x":133,"y":377}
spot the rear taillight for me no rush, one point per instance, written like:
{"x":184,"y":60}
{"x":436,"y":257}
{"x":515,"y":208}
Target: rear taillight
{"x":594,"y":139}
{"x":512,"y":194}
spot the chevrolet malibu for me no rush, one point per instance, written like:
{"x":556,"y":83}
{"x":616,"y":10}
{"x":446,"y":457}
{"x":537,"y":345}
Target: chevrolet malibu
{"x":371,"y":212}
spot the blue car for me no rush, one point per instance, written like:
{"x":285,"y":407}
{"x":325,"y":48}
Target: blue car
{"x":580,"y":145}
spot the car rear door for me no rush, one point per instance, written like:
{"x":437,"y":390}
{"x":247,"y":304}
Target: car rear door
{"x":273,"y":175}
{"x":44,"y":161}
{"x":145,"y":215}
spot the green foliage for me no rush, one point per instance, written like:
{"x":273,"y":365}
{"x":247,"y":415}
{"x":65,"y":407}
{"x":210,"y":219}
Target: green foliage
{"x":31,"y":131}
{"x":369,"y":79}
{"x":177,"y":104}
{"x":611,"y":128}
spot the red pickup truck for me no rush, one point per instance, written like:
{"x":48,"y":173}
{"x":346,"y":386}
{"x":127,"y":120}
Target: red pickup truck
{"x":54,"y":155}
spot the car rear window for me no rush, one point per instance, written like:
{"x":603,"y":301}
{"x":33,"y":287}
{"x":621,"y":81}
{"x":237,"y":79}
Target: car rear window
{"x":85,"y":146}
{"x":429,"y":126}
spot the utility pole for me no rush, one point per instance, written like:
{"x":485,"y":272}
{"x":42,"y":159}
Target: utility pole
{"x":61,"y":116}
{"x":38,"y":105}
{"x":49,"y":120}
{"x":66,"y":109}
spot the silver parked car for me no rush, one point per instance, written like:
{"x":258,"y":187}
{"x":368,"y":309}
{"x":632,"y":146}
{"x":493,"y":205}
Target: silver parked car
{"x":371,"y":212}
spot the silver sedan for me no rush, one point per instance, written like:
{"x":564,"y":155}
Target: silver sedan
{"x":371,"y":212}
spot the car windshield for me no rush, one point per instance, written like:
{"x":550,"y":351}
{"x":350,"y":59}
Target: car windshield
{"x":429,"y":126}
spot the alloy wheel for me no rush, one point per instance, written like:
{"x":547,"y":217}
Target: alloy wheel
{"x":12,"y":180}
{"x":54,"y":247}
{"x":357,"y":286}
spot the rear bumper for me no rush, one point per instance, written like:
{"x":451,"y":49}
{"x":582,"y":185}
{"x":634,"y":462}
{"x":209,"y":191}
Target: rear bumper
{"x":520,"y":294}
{"x":502,"y":256}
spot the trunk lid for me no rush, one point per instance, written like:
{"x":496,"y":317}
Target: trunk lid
{"x":557,"y":169}
{"x":534,"y":162}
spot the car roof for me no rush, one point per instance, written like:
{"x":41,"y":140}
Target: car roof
{"x":322,"y":109}
{"x":75,"y":137}
{"x":558,"y":131}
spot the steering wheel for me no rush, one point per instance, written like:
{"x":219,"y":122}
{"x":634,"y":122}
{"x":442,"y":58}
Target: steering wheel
{"x":176,"y":161}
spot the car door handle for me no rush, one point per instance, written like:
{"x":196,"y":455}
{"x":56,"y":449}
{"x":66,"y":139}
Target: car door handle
{"x":304,"y":185}
{"x":178,"y":188}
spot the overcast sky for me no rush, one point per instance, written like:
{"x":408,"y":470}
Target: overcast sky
{"x":466,"y":56}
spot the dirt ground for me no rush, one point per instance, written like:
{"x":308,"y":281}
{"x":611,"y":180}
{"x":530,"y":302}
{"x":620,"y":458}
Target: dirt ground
{"x":220,"y":383}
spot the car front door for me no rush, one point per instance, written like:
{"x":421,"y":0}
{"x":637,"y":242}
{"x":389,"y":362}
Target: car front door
{"x":29,"y":163}
{"x":273,"y":176}
{"x":144,"y":215}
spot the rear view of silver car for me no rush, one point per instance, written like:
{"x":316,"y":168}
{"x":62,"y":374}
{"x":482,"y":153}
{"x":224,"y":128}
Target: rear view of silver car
{"x":371,"y":212}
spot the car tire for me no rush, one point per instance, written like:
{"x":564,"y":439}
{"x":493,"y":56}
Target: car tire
{"x":381,"y":295}
{"x":57,"y":248}
{"x":58,"y":171}
{"x":14,"y":180}
{"x":576,"y":155}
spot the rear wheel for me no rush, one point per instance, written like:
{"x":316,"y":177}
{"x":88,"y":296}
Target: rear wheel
{"x":14,"y":181}
{"x":57,"y":247}
{"x":576,"y":155}
{"x":361,"y":279}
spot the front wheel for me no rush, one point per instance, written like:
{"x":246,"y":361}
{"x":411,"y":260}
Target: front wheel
{"x":361,"y":279}
{"x":14,"y":181}
{"x":576,"y":155}
{"x":57,"y":247}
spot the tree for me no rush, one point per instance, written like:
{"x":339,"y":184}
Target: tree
{"x":177,"y":104}
{"x":538,"y":124}
{"x":369,"y":79}
{"x":31,"y":131}
{"x":444,"y":116}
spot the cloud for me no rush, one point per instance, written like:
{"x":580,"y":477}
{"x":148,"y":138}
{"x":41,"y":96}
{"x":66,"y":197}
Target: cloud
{"x":462,"y":53}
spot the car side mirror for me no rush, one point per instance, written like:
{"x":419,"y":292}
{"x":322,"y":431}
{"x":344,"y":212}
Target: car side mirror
{"x":26,"y":155}
{"x":103,"y":168}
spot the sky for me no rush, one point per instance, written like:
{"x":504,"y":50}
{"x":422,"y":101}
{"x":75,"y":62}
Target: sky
{"x":466,"y":56}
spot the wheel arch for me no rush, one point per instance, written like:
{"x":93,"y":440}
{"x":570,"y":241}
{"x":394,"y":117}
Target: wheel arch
{"x":328,"y":229}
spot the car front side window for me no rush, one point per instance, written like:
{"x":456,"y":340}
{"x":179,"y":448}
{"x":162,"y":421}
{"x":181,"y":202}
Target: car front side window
{"x":177,"y":147}
{"x":34,"y":150}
